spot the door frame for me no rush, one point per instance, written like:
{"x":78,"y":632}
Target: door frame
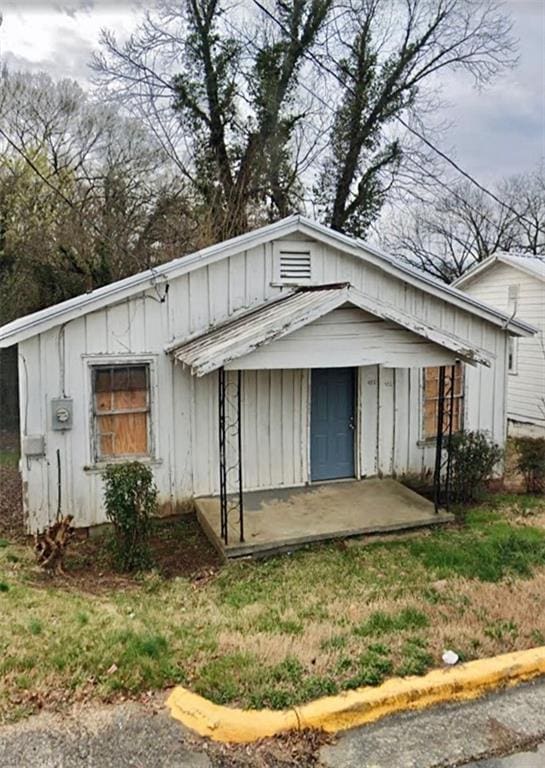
{"x":356,"y":431}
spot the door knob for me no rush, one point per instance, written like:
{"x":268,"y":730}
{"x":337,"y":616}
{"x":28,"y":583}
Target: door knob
{"x":351,"y":424}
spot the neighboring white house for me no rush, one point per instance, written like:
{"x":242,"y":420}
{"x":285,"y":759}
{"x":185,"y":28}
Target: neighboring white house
{"x":516,"y":284}
{"x":338,"y":345}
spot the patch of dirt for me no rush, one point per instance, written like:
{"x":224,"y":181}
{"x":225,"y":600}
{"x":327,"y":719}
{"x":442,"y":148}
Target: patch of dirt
{"x":178,"y":545}
{"x":11,"y":504}
{"x":298,"y":749}
{"x":512,"y":479}
{"x":180,"y":548}
{"x":500,"y":736}
{"x":9,"y":440}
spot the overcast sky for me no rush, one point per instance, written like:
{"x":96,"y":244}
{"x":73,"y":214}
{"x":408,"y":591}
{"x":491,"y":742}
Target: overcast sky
{"x":494,"y":133}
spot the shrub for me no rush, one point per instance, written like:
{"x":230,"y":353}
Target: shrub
{"x":473,"y":458}
{"x":130,"y":496}
{"x":531,"y":462}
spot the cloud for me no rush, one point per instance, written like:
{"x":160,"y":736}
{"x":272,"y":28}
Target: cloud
{"x":70,"y":7}
{"x":59,"y":37}
{"x":70,"y":61}
{"x":495,"y":132}
{"x":500,"y":130}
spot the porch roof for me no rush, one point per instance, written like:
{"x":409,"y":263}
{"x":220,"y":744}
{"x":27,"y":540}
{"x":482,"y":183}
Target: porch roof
{"x":275,"y":319}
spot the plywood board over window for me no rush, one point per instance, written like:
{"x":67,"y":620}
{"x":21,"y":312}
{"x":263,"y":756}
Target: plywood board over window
{"x":121,"y":406}
{"x":431,"y":398}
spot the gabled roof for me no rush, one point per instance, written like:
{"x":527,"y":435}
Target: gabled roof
{"x":530,"y":265}
{"x":38,"y":322}
{"x":277,"y":318}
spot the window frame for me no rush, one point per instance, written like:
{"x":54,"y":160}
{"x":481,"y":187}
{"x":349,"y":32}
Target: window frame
{"x":95,"y":461}
{"x":430,"y":440}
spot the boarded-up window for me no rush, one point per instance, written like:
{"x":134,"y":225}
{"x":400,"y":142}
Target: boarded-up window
{"x":121,"y":406}
{"x":431,"y":399}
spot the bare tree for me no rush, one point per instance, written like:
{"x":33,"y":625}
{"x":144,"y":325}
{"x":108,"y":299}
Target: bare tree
{"x":84,"y":195}
{"x":391,"y":55}
{"x":271,"y":104}
{"x":526,"y":194}
{"x":452,"y":231}
{"x":223,"y":105}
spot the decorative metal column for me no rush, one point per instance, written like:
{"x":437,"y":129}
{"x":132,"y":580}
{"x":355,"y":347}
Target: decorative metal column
{"x":445,"y":423}
{"x":230,"y":451}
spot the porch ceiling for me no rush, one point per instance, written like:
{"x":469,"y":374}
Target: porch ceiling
{"x":240,"y":336}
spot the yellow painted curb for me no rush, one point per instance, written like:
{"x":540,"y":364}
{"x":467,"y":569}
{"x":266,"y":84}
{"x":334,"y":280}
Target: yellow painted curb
{"x":364,"y":705}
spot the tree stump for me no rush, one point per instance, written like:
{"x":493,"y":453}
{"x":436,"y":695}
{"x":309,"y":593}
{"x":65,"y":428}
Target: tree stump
{"x":50,"y":545}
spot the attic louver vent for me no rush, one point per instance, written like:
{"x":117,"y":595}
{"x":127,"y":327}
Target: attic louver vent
{"x":295,"y":265}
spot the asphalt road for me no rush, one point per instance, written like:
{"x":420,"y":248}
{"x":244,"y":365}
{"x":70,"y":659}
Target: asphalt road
{"x":123,"y":736}
{"x":131,"y":735}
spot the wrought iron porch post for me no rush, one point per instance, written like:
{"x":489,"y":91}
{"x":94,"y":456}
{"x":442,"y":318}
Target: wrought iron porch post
{"x":230,"y":452}
{"x":449,"y":441}
{"x":239,"y":420}
{"x":222,"y":458}
{"x":439,"y":439}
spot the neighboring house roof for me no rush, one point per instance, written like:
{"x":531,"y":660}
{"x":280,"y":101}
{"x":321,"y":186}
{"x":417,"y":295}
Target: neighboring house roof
{"x":531,"y":265}
{"x":38,"y":322}
{"x":279,"y":317}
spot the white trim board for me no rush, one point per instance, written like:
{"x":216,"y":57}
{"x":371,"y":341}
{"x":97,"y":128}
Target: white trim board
{"x":157,"y":278}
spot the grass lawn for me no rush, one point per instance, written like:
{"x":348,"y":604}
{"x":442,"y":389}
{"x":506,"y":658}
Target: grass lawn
{"x":276,"y":632}
{"x":9,"y":458}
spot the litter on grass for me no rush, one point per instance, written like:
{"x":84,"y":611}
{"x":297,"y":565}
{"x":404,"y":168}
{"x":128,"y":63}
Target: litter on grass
{"x":450,"y":658}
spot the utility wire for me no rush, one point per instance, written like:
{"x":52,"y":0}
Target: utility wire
{"x":71,"y":204}
{"x":420,"y":136}
{"x":451,"y":190}
{"x":461,"y":171}
{"x":38,"y":173}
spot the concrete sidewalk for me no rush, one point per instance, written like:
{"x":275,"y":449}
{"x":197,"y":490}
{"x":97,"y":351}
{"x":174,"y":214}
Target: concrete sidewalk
{"x":449,"y":736}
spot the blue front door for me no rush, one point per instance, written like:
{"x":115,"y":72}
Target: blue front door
{"x":332,"y":423}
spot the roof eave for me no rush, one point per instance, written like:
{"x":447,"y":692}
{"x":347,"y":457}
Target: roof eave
{"x":45,"y":319}
{"x":473,"y":271}
{"x":492,"y":314}
{"x":109,"y":295}
{"x":484,"y":266}
{"x":212,"y":359}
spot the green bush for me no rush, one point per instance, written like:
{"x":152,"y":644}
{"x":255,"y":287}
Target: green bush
{"x":531,"y":462}
{"x":130,"y":496}
{"x":473,"y":457}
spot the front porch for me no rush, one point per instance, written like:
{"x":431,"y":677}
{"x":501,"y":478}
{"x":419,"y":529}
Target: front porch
{"x":287,"y":518}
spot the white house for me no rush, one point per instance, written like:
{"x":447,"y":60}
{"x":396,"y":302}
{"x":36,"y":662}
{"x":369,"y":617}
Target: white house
{"x":516,"y":284}
{"x":284,"y":357}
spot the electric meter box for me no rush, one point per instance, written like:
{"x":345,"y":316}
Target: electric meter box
{"x":61,"y":413}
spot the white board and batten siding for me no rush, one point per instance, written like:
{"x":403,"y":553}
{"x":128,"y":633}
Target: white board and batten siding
{"x":515,"y":290}
{"x":346,"y":337}
{"x":184,"y":408}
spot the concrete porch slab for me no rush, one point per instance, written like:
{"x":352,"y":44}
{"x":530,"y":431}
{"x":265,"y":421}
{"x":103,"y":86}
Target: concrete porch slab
{"x":286,"y":518}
